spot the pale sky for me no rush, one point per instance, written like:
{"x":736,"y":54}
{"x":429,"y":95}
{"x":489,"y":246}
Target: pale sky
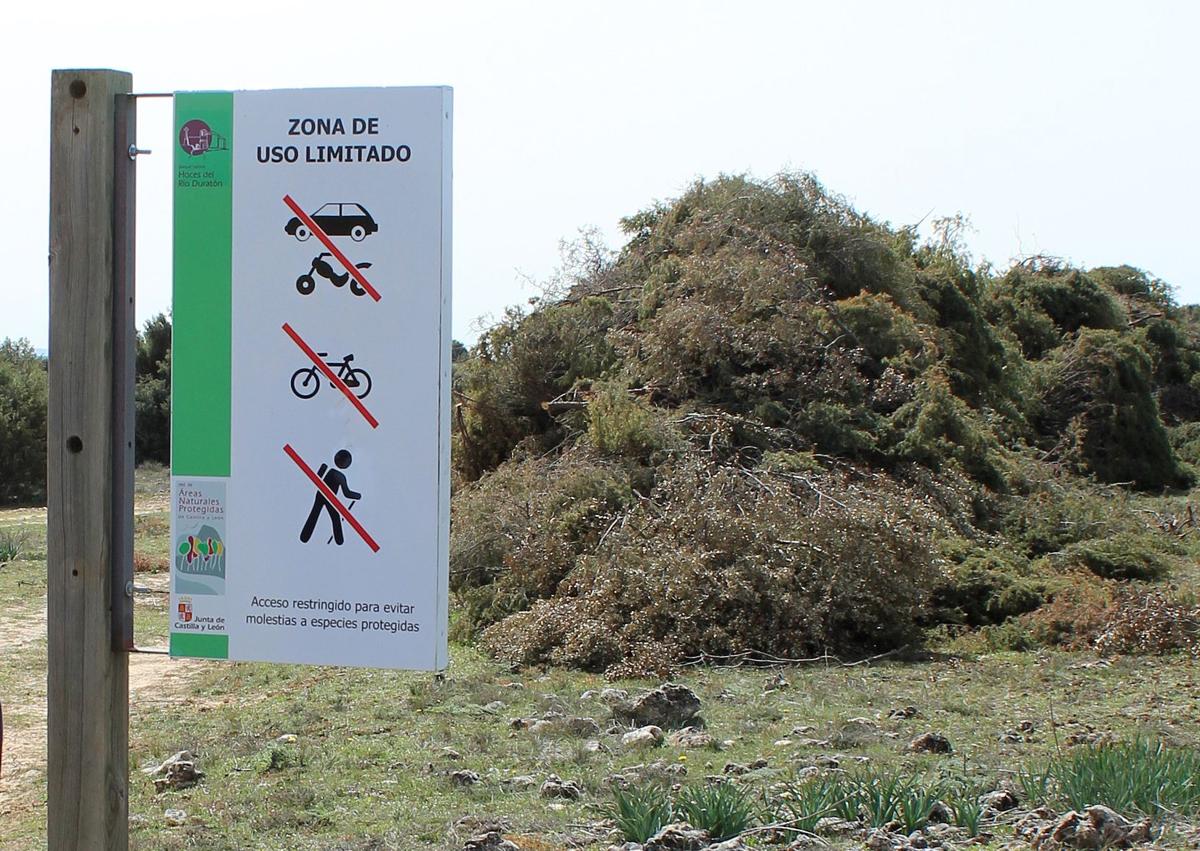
{"x":1066,"y":128}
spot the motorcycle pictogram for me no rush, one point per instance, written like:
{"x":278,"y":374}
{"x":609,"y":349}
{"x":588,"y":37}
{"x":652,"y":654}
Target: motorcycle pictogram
{"x":306,"y":283}
{"x":306,"y":381}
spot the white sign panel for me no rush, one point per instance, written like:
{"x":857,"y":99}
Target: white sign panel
{"x":310,"y":512}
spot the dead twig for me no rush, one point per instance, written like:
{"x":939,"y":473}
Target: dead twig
{"x":761,"y":658}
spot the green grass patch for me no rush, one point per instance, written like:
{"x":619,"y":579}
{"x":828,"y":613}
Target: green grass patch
{"x":1143,"y":776}
{"x":723,"y":809}
{"x":639,"y":812}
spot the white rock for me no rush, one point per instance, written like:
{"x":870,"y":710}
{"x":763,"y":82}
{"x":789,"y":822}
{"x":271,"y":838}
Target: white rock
{"x":520,"y":782}
{"x":649,"y":736}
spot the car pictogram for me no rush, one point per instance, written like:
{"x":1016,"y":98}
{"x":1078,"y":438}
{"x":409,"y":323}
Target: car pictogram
{"x":336,"y":219}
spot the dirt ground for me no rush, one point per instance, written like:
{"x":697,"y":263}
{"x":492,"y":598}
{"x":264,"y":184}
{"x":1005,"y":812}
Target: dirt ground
{"x":154,"y":679}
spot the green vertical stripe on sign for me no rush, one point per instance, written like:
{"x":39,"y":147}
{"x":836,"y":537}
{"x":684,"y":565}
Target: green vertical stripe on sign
{"x":202,"y":301}
{"x":199,"y":646}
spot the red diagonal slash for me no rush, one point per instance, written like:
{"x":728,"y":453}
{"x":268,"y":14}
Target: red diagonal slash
{"x":329,"y":495}
{"x":324,"y":237}
{"x":331,"y":375}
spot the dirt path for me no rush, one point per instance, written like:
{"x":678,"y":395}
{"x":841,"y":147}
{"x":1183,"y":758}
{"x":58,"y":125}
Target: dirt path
{"x":153,"y":680}
{"x":21,"y":627}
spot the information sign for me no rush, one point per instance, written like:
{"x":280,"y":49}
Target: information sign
{"x":311,"y":376}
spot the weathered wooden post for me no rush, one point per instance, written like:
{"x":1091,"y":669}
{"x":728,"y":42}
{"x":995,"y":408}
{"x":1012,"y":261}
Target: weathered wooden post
{"x":89,"y":460}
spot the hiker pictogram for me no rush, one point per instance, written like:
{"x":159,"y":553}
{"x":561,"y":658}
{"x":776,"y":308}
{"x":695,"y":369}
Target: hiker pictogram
{"x":329,"y":481}
{"x":336,"y":480}
{"x":352,"y":225}
{"x":306,"y":283}
{"x":306,"y":381}
{"x":354,"y":382}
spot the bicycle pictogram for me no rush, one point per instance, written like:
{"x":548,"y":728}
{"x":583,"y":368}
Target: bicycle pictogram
{"x":306,"y":381}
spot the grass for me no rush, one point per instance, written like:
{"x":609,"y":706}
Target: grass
{"x":800,"y":806}
{"x":968,"y":813}
{"x":876,"y":797}
{"x":369,"y":766}
{"x":639,"y":812}
{"x":723,"y":809}
{"x":1141,"y":776}
{"x":12,"y":544}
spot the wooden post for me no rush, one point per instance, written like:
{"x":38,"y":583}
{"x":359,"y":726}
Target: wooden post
{"x":87,"y":690}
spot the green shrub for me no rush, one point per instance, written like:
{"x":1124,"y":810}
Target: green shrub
{"x":736,"y":432}
{"x":276,"y":757}
{"x":1185,"y":442}
{"x":987,"y":588}
{"x":883,"y":331}
{"x":1126,"y":556}
{"x":1136,"y":285}
{"x":937,"y":427}
{"x":737,"y":563}
{"x":980,"y":367}
{"x":518,"y":531}
{"x":1071,"y":298}
{"x":1023,"y":319}
{"x":1098,"y":396}
{"x":620,"y":424}
{"x":1053,"y":511}
{"x":152,"y":420}
{"x":835,"y":429}
{"x":521,"y":365}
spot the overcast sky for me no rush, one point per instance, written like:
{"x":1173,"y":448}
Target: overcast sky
{"x":1061,"y":128}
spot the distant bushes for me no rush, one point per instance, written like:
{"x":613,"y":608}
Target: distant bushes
{"x":23,"y":400}
{"x":152,"y":394}
{"x":773,"y":423}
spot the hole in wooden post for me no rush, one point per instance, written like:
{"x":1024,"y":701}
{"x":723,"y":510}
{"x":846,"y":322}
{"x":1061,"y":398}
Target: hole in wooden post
{"x":78,"y":89}
{"x":74,"y":444}
{"x":74,"y":572}
{"x":75,"y":130}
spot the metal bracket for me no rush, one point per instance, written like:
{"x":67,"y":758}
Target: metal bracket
{"x":124,"y":336}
